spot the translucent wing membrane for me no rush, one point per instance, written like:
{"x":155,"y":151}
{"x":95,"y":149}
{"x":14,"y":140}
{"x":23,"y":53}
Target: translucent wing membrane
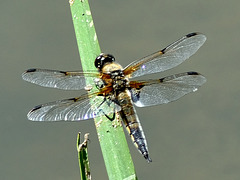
{"x":74,"y":109}
{"x":143,"y":93}
{"x":58,"y":79}
{"x":170,"y":88}
{"x":169,"y":57}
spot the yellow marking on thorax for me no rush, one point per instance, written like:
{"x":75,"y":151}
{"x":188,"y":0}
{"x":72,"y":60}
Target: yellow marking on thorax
{"x":111,"y":67}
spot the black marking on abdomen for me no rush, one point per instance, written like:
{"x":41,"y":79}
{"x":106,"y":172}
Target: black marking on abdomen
{"x":139,"y":140}
{"x":130,"y":119}
{"x":136,"y":135}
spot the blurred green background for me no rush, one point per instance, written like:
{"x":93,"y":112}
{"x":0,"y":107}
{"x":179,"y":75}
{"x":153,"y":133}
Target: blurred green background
{"x":196,"y":137}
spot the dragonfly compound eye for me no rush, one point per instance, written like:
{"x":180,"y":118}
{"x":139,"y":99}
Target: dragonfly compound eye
{"x":103,"y":59}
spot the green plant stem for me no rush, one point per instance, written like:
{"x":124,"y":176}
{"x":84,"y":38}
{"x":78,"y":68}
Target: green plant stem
{"x":83,"y":157}
{"x":111,"y":136}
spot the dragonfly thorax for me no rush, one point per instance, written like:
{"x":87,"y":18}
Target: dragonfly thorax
{"x":119,"y":82}
{"x":116,"y":80}
{"x":110,"y":68}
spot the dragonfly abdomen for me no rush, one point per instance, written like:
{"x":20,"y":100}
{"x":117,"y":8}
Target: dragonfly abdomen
{"x":132,"y":124}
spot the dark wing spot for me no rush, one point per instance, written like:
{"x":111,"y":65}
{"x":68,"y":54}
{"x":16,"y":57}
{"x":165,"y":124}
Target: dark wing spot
{"x":161,"y":80}
{"x":193,"y":73}
{"x":74,"y":99}
{"x":163,"y":50}
{"x":63,"y":72}
{"x":31,"y":70}
{"x":191,"y":34}
{"x":36,"y":108}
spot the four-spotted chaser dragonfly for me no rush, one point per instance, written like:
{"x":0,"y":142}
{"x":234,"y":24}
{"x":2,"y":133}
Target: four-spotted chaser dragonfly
{"x":115,"y":92}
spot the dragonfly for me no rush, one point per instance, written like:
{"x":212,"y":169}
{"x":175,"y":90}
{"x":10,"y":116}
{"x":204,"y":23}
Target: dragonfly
{"x":114,"y":90}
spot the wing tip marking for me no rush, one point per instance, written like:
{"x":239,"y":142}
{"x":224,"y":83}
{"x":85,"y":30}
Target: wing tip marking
{"x":197,"y":34}
{"x":35,"y":108}
{"x":192,"y":34}
{"x":193,"y":73}
{"x":31,"y":70}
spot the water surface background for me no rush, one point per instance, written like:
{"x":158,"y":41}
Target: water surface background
{"x":196,"y":137}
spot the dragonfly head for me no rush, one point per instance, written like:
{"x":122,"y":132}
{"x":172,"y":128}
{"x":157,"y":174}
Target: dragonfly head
{"x":102,"y":60}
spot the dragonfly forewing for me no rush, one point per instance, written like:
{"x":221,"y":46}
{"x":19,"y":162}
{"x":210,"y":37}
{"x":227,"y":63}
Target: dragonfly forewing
{"x":58,"y":79}
{"x":167,"y":58}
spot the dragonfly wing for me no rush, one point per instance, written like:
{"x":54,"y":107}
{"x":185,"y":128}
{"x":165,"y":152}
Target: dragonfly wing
{"x":165,"y":90}
{"x":58,"y":79}
{"x":74,"y":109}
{"x":167,"y":58}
